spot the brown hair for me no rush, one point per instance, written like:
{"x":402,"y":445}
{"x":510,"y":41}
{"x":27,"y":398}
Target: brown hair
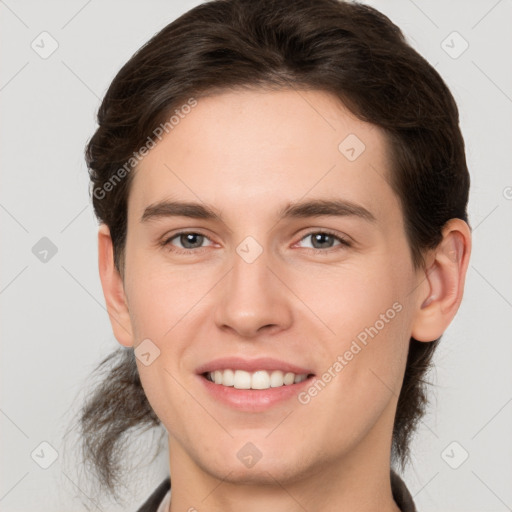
{"x":350,"y":50}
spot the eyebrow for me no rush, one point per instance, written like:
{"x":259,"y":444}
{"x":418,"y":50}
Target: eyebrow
{"x":302,"y":209}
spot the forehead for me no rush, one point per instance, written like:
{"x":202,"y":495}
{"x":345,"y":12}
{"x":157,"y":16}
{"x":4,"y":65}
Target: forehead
{"x":256,"y":150}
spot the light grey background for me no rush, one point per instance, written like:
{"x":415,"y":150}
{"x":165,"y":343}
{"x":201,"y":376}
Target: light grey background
{"x":54,"y":326}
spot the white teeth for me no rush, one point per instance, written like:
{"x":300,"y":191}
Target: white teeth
{"x":242,"y":380}
{"x":260,"y":379}
{"x":300,"y":378}
{"x":228,"y":377}
{"x":289,"y":378}
{"x":276,"y":379}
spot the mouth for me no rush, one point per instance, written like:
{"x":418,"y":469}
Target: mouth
{"x":260,"y":379}
{"x":253,"y":385}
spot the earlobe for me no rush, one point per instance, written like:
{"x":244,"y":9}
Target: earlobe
{"x":113,"y":289}
{"x":440,"y":295}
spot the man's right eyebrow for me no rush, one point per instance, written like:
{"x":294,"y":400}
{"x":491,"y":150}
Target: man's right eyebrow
{"x":179,"y":209}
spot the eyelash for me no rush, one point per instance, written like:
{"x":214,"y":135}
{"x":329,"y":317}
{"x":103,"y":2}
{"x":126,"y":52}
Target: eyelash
{"x":167,"y":242}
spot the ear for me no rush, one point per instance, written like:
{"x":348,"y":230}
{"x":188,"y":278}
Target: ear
{"x":113,"y":289}
{"x":440,"y":292}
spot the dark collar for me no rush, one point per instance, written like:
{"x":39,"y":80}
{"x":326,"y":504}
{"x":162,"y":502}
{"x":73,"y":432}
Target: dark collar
{"x":153,"y":502}
{"x":401,"y":495}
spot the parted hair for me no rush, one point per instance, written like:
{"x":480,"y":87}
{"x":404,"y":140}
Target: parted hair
{"x":347,"y":49}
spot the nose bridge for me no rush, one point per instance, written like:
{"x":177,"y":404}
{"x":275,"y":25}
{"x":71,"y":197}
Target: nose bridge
{"x":251,"y":295}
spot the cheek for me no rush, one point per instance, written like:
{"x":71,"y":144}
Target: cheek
{"x":362,"y":378}
{"x":159,"y":295}
{"x":351,"y":297}
{"x":368,"y":315}
{"x":377,"y":321}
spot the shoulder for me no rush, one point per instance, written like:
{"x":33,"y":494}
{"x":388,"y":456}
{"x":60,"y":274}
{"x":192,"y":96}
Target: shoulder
{"x":153,"y":502}
{"x":401,"y":494}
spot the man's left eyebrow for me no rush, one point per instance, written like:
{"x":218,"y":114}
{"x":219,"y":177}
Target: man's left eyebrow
{"x":302,"y":209}
{"x":329,"y":207}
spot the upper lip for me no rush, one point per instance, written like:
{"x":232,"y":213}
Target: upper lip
{"x":251,"y":365}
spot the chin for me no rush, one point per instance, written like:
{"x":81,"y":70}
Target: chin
{"x":244,"y":463}
{"x":262,"y":473}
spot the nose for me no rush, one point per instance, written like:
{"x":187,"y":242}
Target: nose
{"x":253,"y":298}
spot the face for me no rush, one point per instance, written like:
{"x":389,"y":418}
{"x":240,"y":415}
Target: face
{"x":286,"y":280}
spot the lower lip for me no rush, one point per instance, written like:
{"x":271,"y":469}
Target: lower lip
{"x":253,"y":400}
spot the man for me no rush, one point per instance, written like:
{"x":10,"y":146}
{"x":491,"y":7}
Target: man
{"x":283,"y":252}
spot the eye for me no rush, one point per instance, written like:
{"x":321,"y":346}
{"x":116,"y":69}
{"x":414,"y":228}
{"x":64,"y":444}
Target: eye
{"x":325,"y":240}
{"x":189,"y":241}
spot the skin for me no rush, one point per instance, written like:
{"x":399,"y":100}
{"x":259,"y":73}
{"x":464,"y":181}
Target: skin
{"x":246,"y":155}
